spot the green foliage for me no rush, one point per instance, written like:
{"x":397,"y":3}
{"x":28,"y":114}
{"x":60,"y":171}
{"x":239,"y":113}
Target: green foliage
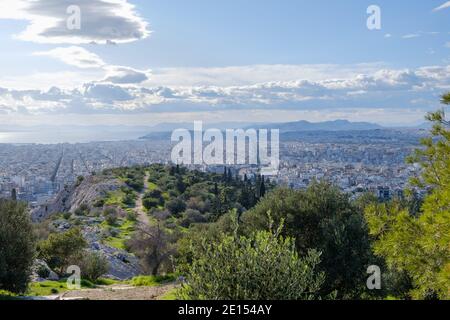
{"x":151,"y":281}
{"x":154,"y":246}
{"x":322,"y":218}
{"x":111,"y":216}
{"x":17,"y":246}
{"x":176,"y":206}
{"x":7,"y":295}
{"x":47,"y":288}
{"x":60,"y":250}
{"x":265,"y":266}
{"x":93,"y":266}
{"x":419,"y":243}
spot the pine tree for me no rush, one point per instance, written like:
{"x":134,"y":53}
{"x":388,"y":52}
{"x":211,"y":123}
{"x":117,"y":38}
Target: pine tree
{"x":262,"y":189}
{"x":14,"y":194}
{"x":258,"y":186}
{"x":225,"y":174}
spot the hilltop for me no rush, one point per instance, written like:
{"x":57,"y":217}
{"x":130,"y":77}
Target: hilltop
{"x":115,"y":208}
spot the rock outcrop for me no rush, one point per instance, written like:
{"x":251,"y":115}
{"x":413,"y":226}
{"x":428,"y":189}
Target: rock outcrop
{"x":72,"y":197}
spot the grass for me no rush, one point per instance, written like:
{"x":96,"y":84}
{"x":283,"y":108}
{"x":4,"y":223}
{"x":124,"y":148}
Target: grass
{"x":126,"y":228}
{"x":152,"y":186}
{"x":6,"y":295}
{"x":115,"y":198}
{"x":107,"y":282}
{"x":48,"y":288}
{"x":151,"y":281}
{"x":170,"y":295}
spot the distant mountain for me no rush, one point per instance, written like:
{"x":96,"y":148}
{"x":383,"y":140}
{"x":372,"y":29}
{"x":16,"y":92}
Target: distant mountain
{"x":337,"y":125}
{"x":163,"y":130}
{"x":169,"y":127}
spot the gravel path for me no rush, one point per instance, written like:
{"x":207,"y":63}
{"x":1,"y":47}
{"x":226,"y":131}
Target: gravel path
{"x":118,"y":292}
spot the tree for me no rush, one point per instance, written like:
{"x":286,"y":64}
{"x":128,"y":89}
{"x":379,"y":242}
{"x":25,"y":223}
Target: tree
{"x":60,"y":250}
{"x":14,"y":194}
{"x":176,"y":206}
{"x":322,"y":218}
{"x":262,"y":188}
{"x":264,"y":266}
{"x":93,"y":266}
{"x":154,"y":246}
{"x":419,"y":244}
{"x":17,"y":246}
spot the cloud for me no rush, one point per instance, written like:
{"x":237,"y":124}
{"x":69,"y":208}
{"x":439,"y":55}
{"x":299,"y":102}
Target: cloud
{"x":125,"y":75}
{"x":102,"y":21}
{"x":411,"y":36}
{"x":84,"y":59}
{"x":443,"y":6}
{"x":74,"y":56}
{"x":389,"y":89}
{"x":251,"y":74}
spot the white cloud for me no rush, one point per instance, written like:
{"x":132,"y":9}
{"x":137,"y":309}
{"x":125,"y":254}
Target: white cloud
{"x":411,"y":36}
{"x":84,"y":59}
{"x":102,"y":21}
{"x":125,"y":75}
{"x":251,"y":74}
{"x":443,"y":6}
{"x":74,"y":56}
{"x":388,"y":89}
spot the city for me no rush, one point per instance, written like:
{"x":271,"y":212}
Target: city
{"x":357,"y":165}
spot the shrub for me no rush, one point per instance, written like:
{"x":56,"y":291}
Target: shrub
{"x":43,"y":272}
{"x":191,"y":216}
{"x":111,"y":216}
{"x":61,"y":249}
{"x":17,"y":246}
{"x":176,"y":206}
{"x":150,"y":203}
{"x":131,"y":216}
{"x":67,"y":215}
{"x":322,"y":218}
{"x":264,"y":266}
{"x":93,"y":266}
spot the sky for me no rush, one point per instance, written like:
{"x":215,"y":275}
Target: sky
{"x":141,"y":62}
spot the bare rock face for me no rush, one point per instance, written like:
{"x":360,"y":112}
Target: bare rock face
{"x":72,"y":197}
{"x":122,"y":264}
{"x":42,"y":272}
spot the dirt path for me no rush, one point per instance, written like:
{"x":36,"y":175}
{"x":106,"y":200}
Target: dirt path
{"x":141,"y":213}
{"x":118,"y":292}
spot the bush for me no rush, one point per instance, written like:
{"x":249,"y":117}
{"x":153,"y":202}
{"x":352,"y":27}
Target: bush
{"x":62,"y":249}
{"x":43,"y":272}
{"x":111,"y":216}
{"x":131,"y":216}
{"x":17,"y":246}
{"x":265,"y":266}
{"x":191,"y":216}
{"x":176,"y":206}
{"x":67,"y":215}
{"x":93,"y":266}
{"x":150,"y":203}
{"x":322,"y":218}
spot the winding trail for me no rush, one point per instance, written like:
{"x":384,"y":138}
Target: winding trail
{"x":141,"y":213}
